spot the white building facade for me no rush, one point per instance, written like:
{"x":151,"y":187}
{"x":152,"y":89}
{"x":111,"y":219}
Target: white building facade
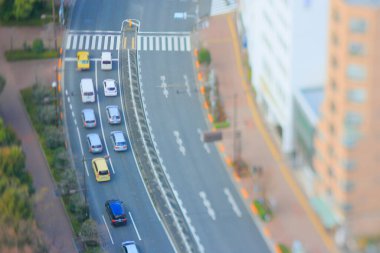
{"x":287,"y":47}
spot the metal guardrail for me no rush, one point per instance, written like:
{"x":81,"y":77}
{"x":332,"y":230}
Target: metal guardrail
{"x":149,"y":164}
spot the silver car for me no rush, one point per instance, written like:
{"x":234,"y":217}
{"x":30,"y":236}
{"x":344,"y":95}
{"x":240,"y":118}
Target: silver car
{"x":118,"y":141}
{"x":113,"y":114}
{"x":94,"y":143}
{"x":129,"y":247}
{"x":88,"y":118}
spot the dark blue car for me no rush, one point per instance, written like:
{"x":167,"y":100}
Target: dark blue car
{"x":116,"y":212}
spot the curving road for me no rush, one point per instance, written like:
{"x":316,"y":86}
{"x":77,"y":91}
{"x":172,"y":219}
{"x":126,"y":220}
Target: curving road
{"x":214,"y":210}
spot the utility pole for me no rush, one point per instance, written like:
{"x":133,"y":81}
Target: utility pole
{"x":54,"y":86}
{"x":54,"y":30}
{"x":84,"y":184}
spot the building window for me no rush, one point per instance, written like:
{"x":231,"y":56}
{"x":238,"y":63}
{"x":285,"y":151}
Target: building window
{"x":332,"y":107}
{"x":358,"y":25}
{"x":333,"y":85}
{"x":356,"y":72}
{"x":335,"y":15}
{"x":334,"y":62}
{"x":330,"y":171}
{"x":347,"y":186}
{"x":332,"y":129}
{"x":266,"y":17}
{"x":347,"y":207}
{"x":334,"y":39}
{"x":348,"y":165}
{"x":351,"y":137}
{"x":353,"y":119}
{"x":356,"y":48}
{"x":266,"y":42}
{"x":356,"y":95}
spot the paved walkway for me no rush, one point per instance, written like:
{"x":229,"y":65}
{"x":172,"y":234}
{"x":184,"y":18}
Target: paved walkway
{"x":293,"y":216}
{"x":49,"y":211}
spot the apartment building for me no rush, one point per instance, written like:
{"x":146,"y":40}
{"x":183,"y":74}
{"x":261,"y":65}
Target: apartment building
{"x":347,"y":141}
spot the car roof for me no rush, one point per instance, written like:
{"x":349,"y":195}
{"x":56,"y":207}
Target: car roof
{"x":130,"y":246}
{"x":110,"y":82}
{"x":101,"y":163}
{"x":83,"y":54}
{"x":106,"y":55}
{"x":89,"y":114}
{"x":116,"y":207}
{"x":113,"y":110}
{"x":94,"y":139}
{"x":119,"y":136}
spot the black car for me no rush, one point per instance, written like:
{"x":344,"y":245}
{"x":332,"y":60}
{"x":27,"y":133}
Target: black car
{"x":116,"y":212}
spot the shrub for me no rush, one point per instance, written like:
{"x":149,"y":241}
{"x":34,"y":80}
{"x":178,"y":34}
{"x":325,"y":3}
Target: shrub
{"x":263,"y":210}
{"x":78,"y":207}
{"x":283,"y":248}
{"x":89,"y":233}
{"x":60,"y":160}
{"x":38,"y":46}
{"x":2,"y":83}
{"x":39,"y":93}
{"x":54,"y":137}
{"x":204,"y":56}
{"x":47,"y":115}
{"x":68,"y":181}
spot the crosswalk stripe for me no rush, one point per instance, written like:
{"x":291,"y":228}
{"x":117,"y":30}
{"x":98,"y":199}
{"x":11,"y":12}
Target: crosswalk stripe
{"x":86,"y":46}
{"x":170,"y":43}
{"x":93,"y":42}
{"x":100,"y":38}
{"x":138,"y":42}
{"x":175,"y":43}
{"x":188,"y":43}
{"x":80,"y":47}
{"x":75,"y":40}
{"x":163,"y":43}
{"x":112,"y":42}
{"x":105,"y":47}
{"x":68,"y":42}
{"x":157,"y":39}
{"x":118,"y":42}
{"x":151,"y":43}
{"x":182,"y":43}
{"x":145,"y":43}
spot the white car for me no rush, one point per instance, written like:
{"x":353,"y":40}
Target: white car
{"x":106,"y":61}
{"x":113,"y":114}
{"x":118,"y":141}
{"x":110,"y":89}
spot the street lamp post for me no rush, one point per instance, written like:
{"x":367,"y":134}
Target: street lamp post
{"x":85,"y":184}
{"x":54,"y":86}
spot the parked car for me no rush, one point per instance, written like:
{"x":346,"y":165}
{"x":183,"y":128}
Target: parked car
{"x":110,"y":89}
{"x":88,"y":118}
{"x":113,"y":114}
{"x":94,"y":143}
{"x":129,"y":247}
{"x":116,"y":212}
{"x":106,"y":61}
{"x":118,"y":140}
{"x":83,"y":61}
{"x":101,"y":171}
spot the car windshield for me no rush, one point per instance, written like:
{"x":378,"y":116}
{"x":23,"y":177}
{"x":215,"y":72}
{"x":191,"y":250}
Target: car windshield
{"x":88,"y":93}
{"x":106,"y":62}
{"x":121,"y":143}
{"x":84,"y":62}
{"x":97,"y":146}
{"x":111,"y":88}
{"x":103,"y":172}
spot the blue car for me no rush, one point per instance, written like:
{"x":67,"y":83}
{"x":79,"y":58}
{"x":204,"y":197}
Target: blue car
{"x":116,"y":212}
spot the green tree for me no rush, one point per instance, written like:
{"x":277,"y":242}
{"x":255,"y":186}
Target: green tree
{"x":15,"y":205}
{"x":6,"y":7}
{"x":54,"y":137}
{"x":2,"y":82}
{"x":204,"y":56}
{"x":22,"y":9}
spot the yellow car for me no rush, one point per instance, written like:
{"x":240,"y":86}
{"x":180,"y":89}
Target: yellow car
{"x":83,"y":61}
{"x":100,"y":167}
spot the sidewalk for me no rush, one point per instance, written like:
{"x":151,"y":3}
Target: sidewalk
{"x":48,"y":209}
{"x":293,"y":216}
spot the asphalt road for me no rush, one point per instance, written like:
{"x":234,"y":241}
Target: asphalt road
{"x":215,"y":210}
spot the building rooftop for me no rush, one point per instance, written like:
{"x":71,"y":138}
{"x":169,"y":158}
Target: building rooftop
{"x":375,"y":3}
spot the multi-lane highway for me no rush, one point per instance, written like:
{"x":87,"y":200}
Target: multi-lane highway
{"x":213,"y":211}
